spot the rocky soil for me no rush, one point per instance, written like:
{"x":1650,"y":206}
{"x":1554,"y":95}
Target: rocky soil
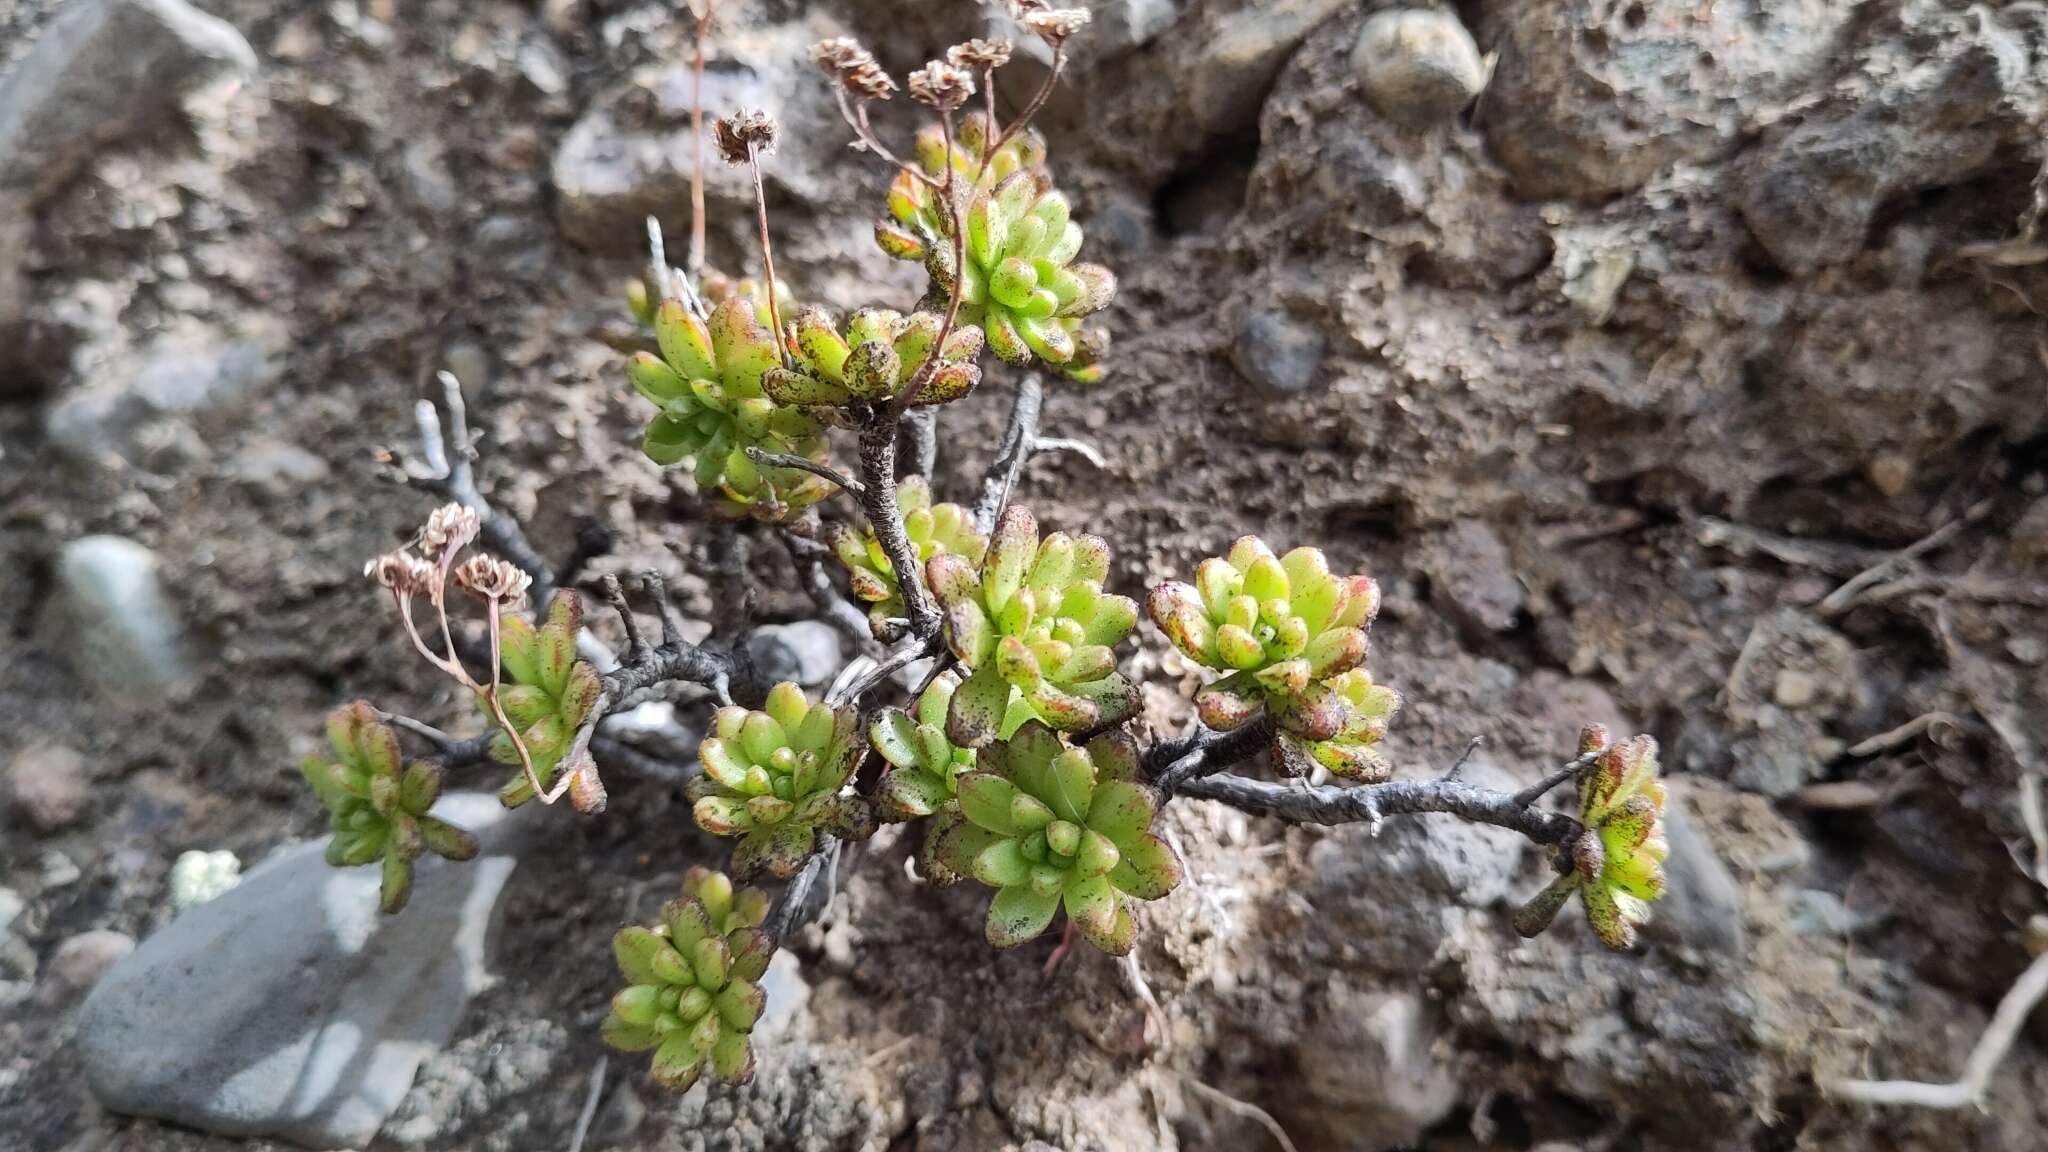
{"x":1613,"y":377}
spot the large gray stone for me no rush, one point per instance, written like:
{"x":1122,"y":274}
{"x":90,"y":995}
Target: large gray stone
{"x":103,"y":71}
{"x":290,"y":1007}
{"x":807,"y":652}
{"x":124,"y":636}
{"x":190,"y":369}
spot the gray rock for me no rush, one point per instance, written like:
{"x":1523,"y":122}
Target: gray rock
{"x":1278,"y":353}
{"x":80,"y":87}
{"x":48,"y":786}
{"x":807,"y":652}
{"x":1368,"y":1061}
{"x":1816,"y":188}
{"x":125,"y":637}
{"x":192,"y":368}
{"x":81,"y":960}
{"x":1417,"y":66}
{"x":296,"y":1009}
{"x":470,"y":1080}
{"x":276,"y":468}
{"x":631,"y":154}
{"x":1590,"y":99}
{"x":101,"y":72}
{"x":1472,"y":576}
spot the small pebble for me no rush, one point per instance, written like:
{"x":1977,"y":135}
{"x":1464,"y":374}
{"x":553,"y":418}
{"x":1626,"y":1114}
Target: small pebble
{"x":83,"y":959}
{"x":48,"y":786}
{"x":1794,"y":689}
{"x":200,"y":876}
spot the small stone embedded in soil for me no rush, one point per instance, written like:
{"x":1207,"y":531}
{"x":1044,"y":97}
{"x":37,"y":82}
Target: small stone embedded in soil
{"x":125,"y":637}
{"x":298,"y":1010}
{"x":1278,"y":353}
{"x":48,"y":787}
{"x":81,"y":960}
{"x":807,"y":652}
{"x":201,"y":876}
{"x":1417,"y":65}
{"x":1794,"y":689}
{"x":1472,"y":576}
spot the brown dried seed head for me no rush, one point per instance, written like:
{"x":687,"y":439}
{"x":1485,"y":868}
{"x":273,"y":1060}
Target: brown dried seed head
{"x":871,"y":81}
{"x":1055,"y":25}
{"x":743,"y":135}
{"x":941,"y":85}
{"x":980,"y":54}
{"x":450,"y":528}
{"x":492,"y":579}
{"x":840,"y":54}
{"x":400,"y":571}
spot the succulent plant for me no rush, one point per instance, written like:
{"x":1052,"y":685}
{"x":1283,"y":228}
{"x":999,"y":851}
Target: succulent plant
{"x":549,"y":694}
{"x":1351,"y":753}
{"x":918,"y":219}
{"x":932,"y":528}
{"x":377,"y":806}
{"x":1021,"y":284}
{"x":1618,"y":860}
{"x":1279,"y":627}
{"x":924,"y":766}
{"x":1049,"y":824}
{"x":693,"y":993}
{"x":1033,"y":617}
{"x":875,"y":361}
{"x":707,"y":382}
{"x":776,"y":778}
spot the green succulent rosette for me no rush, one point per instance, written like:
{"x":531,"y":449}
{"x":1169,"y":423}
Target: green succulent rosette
{"x":1050,"y":825}
{"x":777,"y":779}
{"x":1351,"y":753}
{"x":377,"y":806}
{"x":1281,"y":629}
{"x":1618,"y":860}
{"x":547,"y":694}
{"x":924,"y":766}
{"x":875,"y":361}
{"x":707,"y":383}
{"x":933,"y":529}
{"x":693,"y":994}
{"x":1032,"y":620}
{"x":917,"y":220}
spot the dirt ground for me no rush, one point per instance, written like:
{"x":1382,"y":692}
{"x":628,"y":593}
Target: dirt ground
{"x":1703,"y":309}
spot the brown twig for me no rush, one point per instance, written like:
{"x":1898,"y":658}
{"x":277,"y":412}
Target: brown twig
{"x":1845,"y":597}
{"x":769,"y":459}
{"x":1903,"y":734}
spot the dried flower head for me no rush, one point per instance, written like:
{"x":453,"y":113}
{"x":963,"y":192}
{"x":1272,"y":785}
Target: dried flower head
{"x":492,"y":579}
{"x":743,"y":135}
{"x":401,"y":571}
{"x":1055,"y":25}
{"x":980,"y":54}
{"x":941,"y":85}
{"x":853,"y":66}
{"x":449,"y":529}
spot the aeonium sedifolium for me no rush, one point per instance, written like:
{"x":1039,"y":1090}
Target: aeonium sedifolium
{"x":1050,"y":825}
{"x":776,"y":778}
{"x":377,"y":806}
{"x":879,"y":357}
{"x":549,"y":695}
{"x":1287,"y":633}
{"x":1020,"y":283}
{"x":932,"y":528}
{"x":693,"y":994}
{"x":924,"y":765}
{"x":1617,"y":861}
{"x":707,"y":382}
{"x":1032,"y":621}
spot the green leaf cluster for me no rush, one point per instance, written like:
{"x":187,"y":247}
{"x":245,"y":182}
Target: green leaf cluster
{"x":1050,"y":825}
{"x":932,"y":528}
{"x":1032,"y":620}
{"x":924,"y":766}
{"x":693,"y":994}
{"x":874,"y":362}
{"x":1618,"y":860}
{"x":546,"y":695}
{"x":707,"y":383}
{"x":378,"y":807}
{"x":918,"y":221}
{"x":1286,"y":633}
{"x":777,"y":778}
